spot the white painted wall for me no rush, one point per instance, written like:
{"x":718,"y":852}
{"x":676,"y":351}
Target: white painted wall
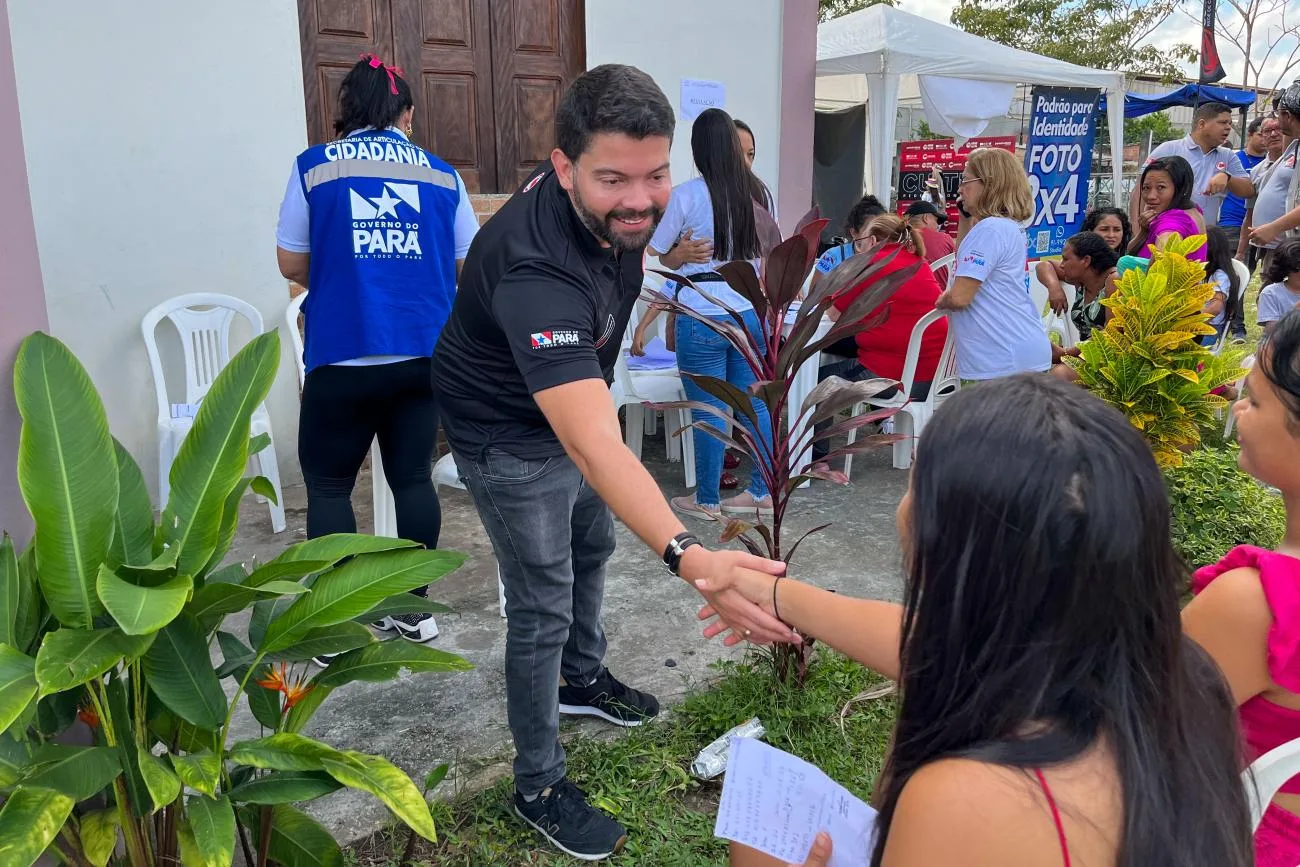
{"x":159,"y":137}
{"x":736,"y":42}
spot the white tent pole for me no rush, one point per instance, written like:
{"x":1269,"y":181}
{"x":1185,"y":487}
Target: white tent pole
{"x":882,"y":118}
{"x":1115,"y":118}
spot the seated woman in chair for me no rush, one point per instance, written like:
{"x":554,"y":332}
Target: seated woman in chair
{"x":883,"y":350}
{"x":1088,"y":263}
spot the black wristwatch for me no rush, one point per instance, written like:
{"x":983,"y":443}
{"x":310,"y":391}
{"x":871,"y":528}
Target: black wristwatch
{"x":676,"y":548}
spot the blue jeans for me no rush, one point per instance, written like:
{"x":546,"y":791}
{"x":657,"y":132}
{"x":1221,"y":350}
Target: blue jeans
{"x":700,"y":350}
{"x":552,"y":535}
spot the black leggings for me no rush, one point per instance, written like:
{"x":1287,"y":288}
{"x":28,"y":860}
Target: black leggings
{"x":343,"y":409}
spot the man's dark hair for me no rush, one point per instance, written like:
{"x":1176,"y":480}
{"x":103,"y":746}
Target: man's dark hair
{"x":366,"y":98}
{"x":611,"y":98}
{"x":867,"y":207}
{"x":1255,"y":125}
{"x":1209,"y":111}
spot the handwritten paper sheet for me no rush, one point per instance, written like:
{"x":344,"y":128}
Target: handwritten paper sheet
{"x":776,"y":803}
{"x":699,"y":94}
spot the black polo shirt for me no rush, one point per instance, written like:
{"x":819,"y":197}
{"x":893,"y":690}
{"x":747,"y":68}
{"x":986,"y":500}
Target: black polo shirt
{"x":540,"y":303}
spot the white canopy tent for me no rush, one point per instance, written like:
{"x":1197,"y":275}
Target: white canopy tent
{"x":883,"y":43}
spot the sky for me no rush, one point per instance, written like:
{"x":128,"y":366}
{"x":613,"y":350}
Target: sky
{"x":1178,"y":28}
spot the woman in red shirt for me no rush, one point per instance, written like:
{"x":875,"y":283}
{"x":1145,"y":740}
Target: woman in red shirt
{"x":883,"y":349}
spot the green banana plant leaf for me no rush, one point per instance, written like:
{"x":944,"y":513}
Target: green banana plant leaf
{"x":67,"y":472}
{"x":180,"y":673}
{"x":389,"y":784}
{"x":15,"y":756}
{"x":200,"y":771}
{"x":99,"y":836}
{"x":285,"y":787}
{"x":229,"y":526}
{"x":210,"y":462}
{"x":141,"y":610}
{"x":20,"y":603}
{"x":159,"y":778}
{"x":296,"y":839}
{"x":212,"y":602}
{"x":78,"y":772}
{"x":282,"y":752}
{"x":402,"y":603}
{"x":133,"y":529}
{"x":32,"y":614}
{"x":29,"y":822}
{"x":356,"y":587}
{"x":17,"y":684}
{"x":336,"y":638}
{"x":71,"y":657}
{"x":137,"y":794}
{"x":208,"y":832}
{"x":339,"y":545}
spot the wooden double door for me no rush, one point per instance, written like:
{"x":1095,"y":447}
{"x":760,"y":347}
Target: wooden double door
{"x":486,"y":75}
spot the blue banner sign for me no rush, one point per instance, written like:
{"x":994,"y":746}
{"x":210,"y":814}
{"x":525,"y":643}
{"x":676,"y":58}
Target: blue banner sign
{"x":1058,"y":159}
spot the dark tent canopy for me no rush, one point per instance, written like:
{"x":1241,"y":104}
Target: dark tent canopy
{"x":1139,"y":104}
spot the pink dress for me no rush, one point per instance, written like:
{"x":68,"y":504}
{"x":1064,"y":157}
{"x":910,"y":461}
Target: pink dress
{"x":1264,"y":724}
{"x":1173,"y":220}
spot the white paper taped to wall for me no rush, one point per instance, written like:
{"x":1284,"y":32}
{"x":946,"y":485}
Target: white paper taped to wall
{"x":776,"y":803}
{"x":699,"y":94}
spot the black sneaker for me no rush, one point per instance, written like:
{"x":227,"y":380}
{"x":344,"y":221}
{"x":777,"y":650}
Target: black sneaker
{"x":610,"y":700}
{"x":413,"y":627}
{"x":562,"y":815}
{"x":324,"y":659}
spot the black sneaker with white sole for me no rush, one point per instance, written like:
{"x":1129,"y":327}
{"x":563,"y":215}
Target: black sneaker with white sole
{"x":413,"y":627}
{"x":562,"y":815}
{"x":610,"y":700}
{"x":324,"y":659}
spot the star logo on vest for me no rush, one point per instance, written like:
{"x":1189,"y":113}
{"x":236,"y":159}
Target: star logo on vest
{"x":386,"y":226}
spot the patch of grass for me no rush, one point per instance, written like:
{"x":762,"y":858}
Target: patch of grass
{"x":641,"y":777}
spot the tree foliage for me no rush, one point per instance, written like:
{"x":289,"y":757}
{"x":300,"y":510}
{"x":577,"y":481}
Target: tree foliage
{"x":1103,"y":34}
{"x":828,"y":9}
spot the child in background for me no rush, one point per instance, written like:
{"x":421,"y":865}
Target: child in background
{"x":1220,"y":272}
{"x":1281,"y":279}
{"x":1246,"y":613}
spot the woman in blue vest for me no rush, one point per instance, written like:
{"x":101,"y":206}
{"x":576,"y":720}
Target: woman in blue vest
{"x":376,"y":228}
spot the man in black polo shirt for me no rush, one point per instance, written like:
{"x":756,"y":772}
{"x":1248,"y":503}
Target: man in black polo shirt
{"x":522,"y":370}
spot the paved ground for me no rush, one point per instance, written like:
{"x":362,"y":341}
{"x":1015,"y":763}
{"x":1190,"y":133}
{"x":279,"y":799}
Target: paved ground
{"x":654,"y":640}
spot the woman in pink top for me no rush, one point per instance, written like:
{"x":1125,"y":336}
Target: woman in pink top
{"x":1247,"y":610}
{"x":1166,"y":200}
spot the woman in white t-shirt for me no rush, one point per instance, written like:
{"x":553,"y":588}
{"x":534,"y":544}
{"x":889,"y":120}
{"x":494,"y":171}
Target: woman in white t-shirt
{"x":996,"y":330}
{"x":722,"y":207}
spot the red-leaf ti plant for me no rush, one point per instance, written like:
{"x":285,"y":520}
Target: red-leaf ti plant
{"x":774,"y":360}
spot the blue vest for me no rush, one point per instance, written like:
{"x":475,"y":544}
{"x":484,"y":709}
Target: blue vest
{"x":383,"y":248}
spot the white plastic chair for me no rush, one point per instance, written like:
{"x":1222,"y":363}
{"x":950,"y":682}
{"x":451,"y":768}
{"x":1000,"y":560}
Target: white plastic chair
{"x":1266,"y":776}
{"x":444,"y":471}
{"x":203,"y":319}
{"x":633,"y":388}
{"x":944,"y":262}
{"x":1248,"y":362}
{"x":913,"y":415}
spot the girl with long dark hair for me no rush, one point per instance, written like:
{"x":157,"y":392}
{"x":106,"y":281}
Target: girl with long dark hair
{"x":720,"y":206}
{"x":1051,"y":710}
{"x":1113,"y":226}
{"x":1165,"y":201}
{"x":1220,"y":271}
{"x":375,"y":228}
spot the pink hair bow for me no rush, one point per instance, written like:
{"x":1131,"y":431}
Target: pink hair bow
{"x":376,"y":63}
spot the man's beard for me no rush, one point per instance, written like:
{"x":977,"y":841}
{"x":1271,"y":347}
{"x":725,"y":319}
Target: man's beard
{"x":605,"y":230}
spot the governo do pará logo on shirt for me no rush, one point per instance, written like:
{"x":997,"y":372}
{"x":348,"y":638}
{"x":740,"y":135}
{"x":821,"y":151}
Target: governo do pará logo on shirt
{"x":385,"y":219}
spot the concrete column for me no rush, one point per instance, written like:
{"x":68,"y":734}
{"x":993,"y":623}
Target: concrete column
{"x":22,"y":294}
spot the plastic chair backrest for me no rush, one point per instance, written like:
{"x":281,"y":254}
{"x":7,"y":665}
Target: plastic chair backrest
{"x":295,"y":335}
{"x":1243,"y":279}
{"x":943,"y":262}
{"x":913,"y":356}
{"x":205,"y":339}
{"x":1266,"y":776}
{"x":1037,"y":292}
